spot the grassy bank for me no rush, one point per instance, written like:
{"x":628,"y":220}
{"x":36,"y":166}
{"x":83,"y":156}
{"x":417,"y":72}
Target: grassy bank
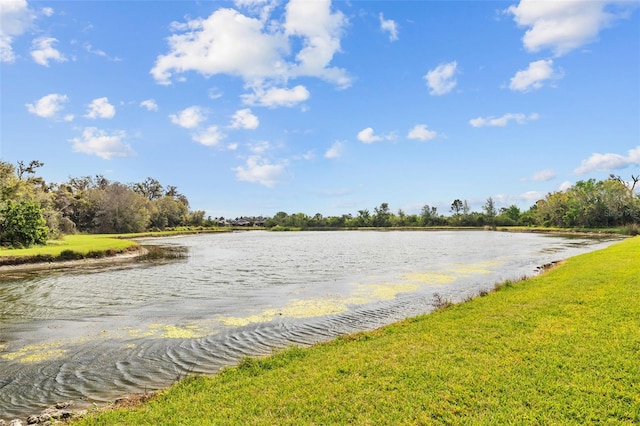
{"x":68,"y":248}
{"x":561,"y":348}
{"x":82,"y":246}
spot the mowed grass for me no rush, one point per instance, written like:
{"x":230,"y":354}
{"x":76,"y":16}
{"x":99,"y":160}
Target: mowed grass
{"x":92,"y":245}
{"x":560,"y":348}
{"x":81,"y":244}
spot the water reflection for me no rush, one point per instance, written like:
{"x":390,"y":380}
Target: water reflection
{"x":200,"y":303}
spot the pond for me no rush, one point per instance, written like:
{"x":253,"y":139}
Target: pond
{"x":93,"y":334}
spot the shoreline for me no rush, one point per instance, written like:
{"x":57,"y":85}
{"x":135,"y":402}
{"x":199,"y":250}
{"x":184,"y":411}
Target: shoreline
{"x":25,"y":265}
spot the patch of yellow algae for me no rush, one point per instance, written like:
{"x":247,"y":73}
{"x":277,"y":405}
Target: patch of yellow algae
{"x":36,"y":353}
{"x":451,"y":273}
{"x":433,"y":278}
{"x":298,"y":308}
{"x":366,"y":293}
{"x":169,"y":331}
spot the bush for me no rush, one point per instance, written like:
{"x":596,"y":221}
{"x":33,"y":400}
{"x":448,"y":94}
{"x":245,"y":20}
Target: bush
{"x":22,"y":224}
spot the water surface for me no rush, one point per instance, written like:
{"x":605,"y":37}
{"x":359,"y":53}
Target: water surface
{"x":94,"y":334}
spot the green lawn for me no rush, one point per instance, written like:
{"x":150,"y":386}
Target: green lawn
{"x":90,"y":245}
{"x":81,"y":244}
{"x":561,"y":348}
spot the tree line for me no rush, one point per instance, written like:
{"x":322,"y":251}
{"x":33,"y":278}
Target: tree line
{"x":32,"y":210}
{"x":587,"y":204}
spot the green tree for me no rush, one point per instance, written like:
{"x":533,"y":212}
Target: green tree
{"x":121,"y":210}
{"x":489,"y":208}
{"x":382,"y":215}
{"x":22,"y":224}
{"x":457,"y":206}
{"x":364,"y":218}
{"x":428,"y":215}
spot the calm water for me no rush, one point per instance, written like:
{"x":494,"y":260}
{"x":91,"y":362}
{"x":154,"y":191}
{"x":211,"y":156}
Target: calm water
{"x":95,"y":334}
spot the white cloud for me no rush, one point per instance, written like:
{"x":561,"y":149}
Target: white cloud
{"x":367,"y":136}
{"x":441,"y":79}
{"x":532,"y":196}
{"x":15,"y":19}
{"x":390,"y":26}
{"x":69,"y":117}
{"x":335,"y":151}
{"x":232,"y":146}
{"x":565,"y":25}
{"x":189,"y":118}
{"x":42,"y":51}
{"x":502,"y":121}
{"x":149,"y":104}
{"x":260,"y":170}
{"x":608,"y":162}
{"x":47,"y":106}
{"x":533,"y":78}
{"x":227,"y":42}
{"x":244,"y":119}
{"x":565,"y":185}
{"x":100,"y":108}
{"x":275,"y":97}
{"x":320,"y":30}
{"x":89,"y":48}
{"x":420,"y":132}
{"x":544,"y":175}
{"x":256,"y":49}
{"x":98,"y":142}
{"x":260,"y":147}
{"x":47,"y":11}
{"x":211,"y":136}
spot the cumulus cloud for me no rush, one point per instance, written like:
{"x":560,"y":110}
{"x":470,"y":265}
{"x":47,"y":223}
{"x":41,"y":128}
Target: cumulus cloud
{"x":260,"y":170}
{"x":367,"y":136}
{"x":100,"y":108}
{"x":244,"y":119}
{"x":563,"y":26}
{"x":102,"y":144}
{"x":15,"y":18}
{"x":441,"y":79}
{"x":608,"y":162}
{"x":390,"y":26}
{"x":149,"y":104}
{"x":42,"y":51}
{"x":189,"y":118}
{"x":320,"y":30}
{"x":47,"y":106}
{"x":257,"y":49}
{"x":503,"y":121}
{"x":211,"y":136}
{"x":276,"y":97}
{"x":533,"y":78}
{"x":335,"y":151}
{"x":421,"y":133}
{"x":543,"y":175}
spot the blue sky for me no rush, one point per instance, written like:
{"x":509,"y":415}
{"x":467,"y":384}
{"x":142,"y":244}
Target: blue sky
{"x":251,"y":107}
